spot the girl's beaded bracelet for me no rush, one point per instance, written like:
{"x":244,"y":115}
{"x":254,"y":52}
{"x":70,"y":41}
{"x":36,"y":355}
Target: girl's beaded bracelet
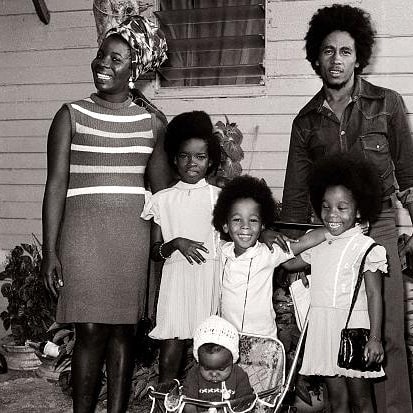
{"x":160,"y":252}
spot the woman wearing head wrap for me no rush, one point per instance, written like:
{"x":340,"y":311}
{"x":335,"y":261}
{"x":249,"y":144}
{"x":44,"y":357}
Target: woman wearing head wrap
{"x":147,"y":44}
{"x":95,"y":246}
{"x":148,"y":52}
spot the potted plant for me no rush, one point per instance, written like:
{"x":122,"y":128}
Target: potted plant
{"x":230,"y":139}
{"x":56,"y":354}
{"x":30,"y":310}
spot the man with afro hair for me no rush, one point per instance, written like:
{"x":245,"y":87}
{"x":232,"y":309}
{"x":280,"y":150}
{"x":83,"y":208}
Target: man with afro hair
{"x":351,"y":115}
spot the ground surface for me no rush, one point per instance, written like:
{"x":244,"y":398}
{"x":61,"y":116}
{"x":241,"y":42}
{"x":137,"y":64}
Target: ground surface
{"x":38,"y":391}
{"x":24,"y":392}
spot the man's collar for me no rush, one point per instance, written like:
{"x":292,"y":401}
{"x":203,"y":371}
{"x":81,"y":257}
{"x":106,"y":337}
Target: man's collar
{"x":362,"y":88}
{"x":367,"y":90}
{"x":315,"y":104}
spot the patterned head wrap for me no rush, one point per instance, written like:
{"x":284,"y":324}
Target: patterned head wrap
{"x":146,"y":41}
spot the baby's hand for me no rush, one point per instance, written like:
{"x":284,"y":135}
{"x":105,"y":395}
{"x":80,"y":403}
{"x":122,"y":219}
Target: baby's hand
{"x":373,"y":352}
{"x":269,"y":237}
{"x":190,"y":249}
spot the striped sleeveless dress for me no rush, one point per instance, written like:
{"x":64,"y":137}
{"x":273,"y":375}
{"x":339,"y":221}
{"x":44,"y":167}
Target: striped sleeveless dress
{"x":103,"y":242}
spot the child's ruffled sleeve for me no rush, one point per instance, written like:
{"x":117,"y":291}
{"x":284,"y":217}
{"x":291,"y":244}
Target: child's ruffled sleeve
{"x":376,"y":260}
{"x":151,"y":208}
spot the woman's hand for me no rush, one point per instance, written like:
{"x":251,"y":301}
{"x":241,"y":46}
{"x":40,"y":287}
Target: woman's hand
{"x":373,"y":352}
{"x":269,"y":237}
{"x":190,"y":249}
{"x":51,"y":271}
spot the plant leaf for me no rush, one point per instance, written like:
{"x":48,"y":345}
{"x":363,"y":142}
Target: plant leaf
{"x":6,"y":323}
{"x":61,"y":334}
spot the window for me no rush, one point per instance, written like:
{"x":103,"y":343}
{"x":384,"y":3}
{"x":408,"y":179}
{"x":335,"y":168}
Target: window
{"x":213,"y":42}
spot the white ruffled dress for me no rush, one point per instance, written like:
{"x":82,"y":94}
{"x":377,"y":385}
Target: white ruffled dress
{"x":334,"y":270}
{"x":188,"y":293}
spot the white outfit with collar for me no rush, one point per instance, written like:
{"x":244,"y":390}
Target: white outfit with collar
{"x":246,"y":287}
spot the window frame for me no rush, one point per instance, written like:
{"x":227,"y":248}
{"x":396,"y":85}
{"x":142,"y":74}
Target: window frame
{"x":215,"y":90}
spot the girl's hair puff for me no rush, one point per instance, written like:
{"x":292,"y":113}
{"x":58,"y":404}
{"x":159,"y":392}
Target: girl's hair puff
{"x":352,"y":20}
{"x":243,"y":187}
{"x":357,"y":175}
{"x":189,"y":125}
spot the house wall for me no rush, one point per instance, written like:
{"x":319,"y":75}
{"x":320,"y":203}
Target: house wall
{"x":42,"y":66}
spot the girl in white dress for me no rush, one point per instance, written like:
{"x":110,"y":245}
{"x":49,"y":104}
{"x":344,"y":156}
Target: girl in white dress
{"x":343,"y":192}
{"x":183,"y":236}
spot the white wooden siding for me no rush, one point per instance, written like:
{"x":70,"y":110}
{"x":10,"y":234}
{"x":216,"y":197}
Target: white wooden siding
{"x":43,"y":66}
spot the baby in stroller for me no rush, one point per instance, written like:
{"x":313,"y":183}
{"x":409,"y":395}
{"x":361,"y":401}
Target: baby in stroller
{"x":215,"y":377}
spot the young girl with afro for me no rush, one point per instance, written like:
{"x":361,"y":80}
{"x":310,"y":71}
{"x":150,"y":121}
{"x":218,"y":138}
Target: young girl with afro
{"x":245,"y":207}
{"x":343,"y":193}
{"x":184,"y":238}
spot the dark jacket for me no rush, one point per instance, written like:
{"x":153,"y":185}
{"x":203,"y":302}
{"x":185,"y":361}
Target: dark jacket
{"x":374,"y":125}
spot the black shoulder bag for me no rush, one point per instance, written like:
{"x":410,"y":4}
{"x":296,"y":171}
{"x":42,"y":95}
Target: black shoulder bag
{"x":354,"y":340}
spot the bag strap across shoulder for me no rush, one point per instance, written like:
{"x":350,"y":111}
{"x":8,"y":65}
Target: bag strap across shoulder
{"x":359,"y":279}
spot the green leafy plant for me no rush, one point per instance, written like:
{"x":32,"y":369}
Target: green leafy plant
{"x":30,"y":311}
{"x":230,"y":138}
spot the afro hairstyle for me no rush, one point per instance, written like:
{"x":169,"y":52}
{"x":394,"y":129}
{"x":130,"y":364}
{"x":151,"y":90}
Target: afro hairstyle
{"x":356,"y":174}
{"x":189,"y":125}
{"x":244,"y":187}
{"x":352,"y":20}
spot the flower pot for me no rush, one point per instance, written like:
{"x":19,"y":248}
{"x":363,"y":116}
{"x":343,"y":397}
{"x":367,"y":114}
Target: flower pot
{"x":20,"y":357}
{"x":47,"y":368}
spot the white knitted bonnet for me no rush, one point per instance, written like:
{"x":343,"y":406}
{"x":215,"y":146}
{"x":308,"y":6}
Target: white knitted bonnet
{"x":216,"y":330}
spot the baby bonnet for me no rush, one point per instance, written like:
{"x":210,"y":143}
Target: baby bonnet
{"x":216,"y":330}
